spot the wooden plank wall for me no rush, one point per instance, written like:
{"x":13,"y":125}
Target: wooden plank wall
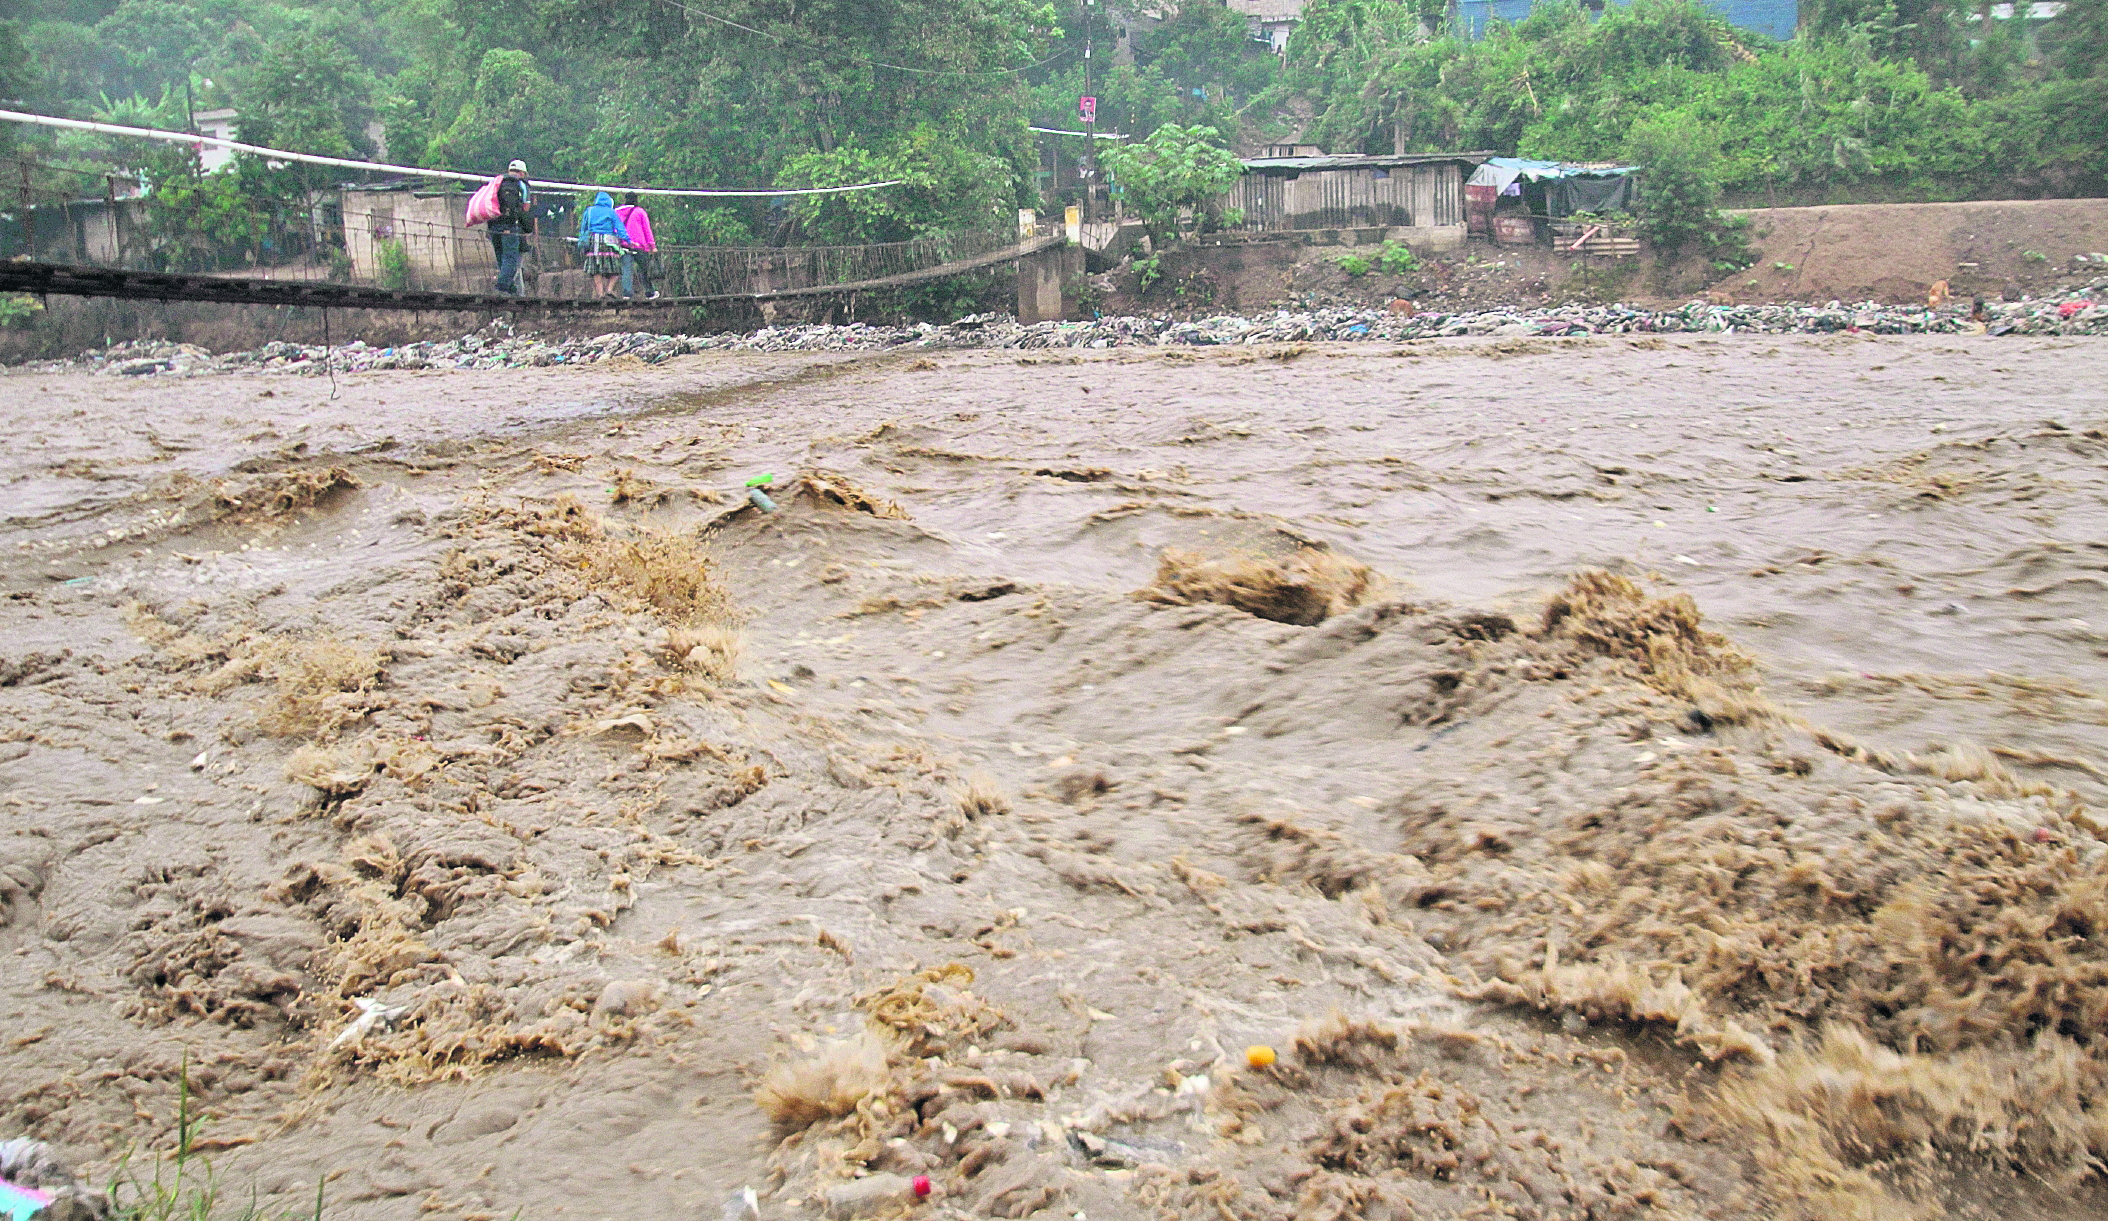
{"x":1412,"y":196}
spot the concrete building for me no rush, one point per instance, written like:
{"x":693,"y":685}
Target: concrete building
{"x":219,"y":124}
{"x":1270,"y":20}
{"x":84,"y":232}
{"x":417,"y":236}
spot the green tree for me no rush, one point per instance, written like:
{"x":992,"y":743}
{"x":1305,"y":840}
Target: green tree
{"x":515,"y":110}
{"x":66,"y":57}
{"x":215,"y":222}
{"x":18,"y":77}
{"x":1205,"y":46}
{"x":1680,"y":198}
{"x":308,"y":96}
{"x":150,"y":45}
{"x":2078,"y":39}
{"x":944,"y":187}
{"x":1176,"y":167}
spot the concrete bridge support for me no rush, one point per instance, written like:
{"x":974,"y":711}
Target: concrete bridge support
{"x":1046,"y":284}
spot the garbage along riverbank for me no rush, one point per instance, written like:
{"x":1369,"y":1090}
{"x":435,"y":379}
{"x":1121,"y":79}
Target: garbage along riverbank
{"x":1644,"y":776}
{"x":500,"y":345}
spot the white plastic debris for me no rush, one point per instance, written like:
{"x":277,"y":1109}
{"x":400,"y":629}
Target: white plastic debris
{"x":371,"y":1013}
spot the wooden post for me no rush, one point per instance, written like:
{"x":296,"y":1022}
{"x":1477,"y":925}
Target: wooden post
{"x":109,"y":198}
{"x":29,"y":218}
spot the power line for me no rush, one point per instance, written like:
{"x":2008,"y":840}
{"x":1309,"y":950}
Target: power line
{"x":1095,"y":135}
{"x":863,"y":59}
{"x":72,"y":169}
{"x":278,"y":154}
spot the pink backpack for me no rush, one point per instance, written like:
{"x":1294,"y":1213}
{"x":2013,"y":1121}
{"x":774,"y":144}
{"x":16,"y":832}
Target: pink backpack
{"x":483,"y":205}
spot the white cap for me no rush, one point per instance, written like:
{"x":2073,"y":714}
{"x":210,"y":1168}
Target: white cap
{"x":517,"y":164}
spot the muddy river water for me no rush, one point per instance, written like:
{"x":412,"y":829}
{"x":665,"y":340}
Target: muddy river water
{"x":1614,"y":778}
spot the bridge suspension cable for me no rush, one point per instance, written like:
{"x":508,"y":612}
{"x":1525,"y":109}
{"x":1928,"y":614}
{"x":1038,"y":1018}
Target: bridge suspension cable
{"x":279,"y":154}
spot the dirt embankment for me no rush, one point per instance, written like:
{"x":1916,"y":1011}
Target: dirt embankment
{"x":1640,"y":779}
{"x":1897,"y":252}
{"x":1891,"y":253}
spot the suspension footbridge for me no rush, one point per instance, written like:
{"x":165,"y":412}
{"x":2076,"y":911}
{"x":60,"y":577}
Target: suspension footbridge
{"x":43,"y":278}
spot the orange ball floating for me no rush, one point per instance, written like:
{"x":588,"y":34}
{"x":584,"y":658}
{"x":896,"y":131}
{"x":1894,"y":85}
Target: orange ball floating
{"x":1259,"y":1055}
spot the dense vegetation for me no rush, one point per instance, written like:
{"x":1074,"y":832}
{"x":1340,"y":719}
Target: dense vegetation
{"x":1875,"y":98}
{"x":1908,"y":99}
{"x":623,"y":90}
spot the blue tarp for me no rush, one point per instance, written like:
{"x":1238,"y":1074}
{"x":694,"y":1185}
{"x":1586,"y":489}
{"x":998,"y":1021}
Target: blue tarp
{"x":1500,"y":171}
{"x":1567,"y":188}
{"x":1474,"y":15}
{"x":1776,"y":18}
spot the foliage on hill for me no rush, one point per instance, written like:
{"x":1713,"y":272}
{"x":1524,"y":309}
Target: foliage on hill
{"x":1871,"y":99}
{"x":1899,"y":99}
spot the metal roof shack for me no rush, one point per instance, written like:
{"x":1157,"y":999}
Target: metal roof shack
{"x":1522,"y":192}
{"x":1420,"y":193}
{"x":1357,"y":161}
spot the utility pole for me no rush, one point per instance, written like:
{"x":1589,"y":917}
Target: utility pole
{"x":1090,"y":118}
{"x":190,"y":121}
{"x":29,"y":216}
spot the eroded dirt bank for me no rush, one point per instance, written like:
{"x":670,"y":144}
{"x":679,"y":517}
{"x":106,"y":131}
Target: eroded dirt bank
{"x":472,"y":703}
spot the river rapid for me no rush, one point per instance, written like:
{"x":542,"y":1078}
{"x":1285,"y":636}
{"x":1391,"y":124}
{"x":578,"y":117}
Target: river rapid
{"x":1639,"y":777}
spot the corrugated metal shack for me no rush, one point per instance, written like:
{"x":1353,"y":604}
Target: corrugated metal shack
{"x":1423,"y":192}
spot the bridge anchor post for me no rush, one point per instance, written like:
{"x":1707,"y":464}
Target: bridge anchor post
{"x":1047,"y":283}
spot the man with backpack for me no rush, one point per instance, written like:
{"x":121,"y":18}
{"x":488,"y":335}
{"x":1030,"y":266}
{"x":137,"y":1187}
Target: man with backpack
{"x":509,"y":229}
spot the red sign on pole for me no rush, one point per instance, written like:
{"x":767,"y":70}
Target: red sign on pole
{"x":1088,"y":108}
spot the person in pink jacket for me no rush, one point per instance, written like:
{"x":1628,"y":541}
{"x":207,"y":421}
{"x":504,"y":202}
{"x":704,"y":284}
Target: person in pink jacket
{"x":636,"y":260}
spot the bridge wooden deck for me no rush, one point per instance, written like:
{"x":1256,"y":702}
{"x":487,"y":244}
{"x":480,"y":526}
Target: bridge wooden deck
{"x":64,"y":280}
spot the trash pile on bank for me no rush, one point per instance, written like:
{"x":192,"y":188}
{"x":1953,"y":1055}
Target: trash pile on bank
{"x":499,"y":346}
{"x":35,"y":1182}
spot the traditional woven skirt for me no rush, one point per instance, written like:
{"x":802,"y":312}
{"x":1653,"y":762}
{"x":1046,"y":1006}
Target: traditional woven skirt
{"x":603,"y":255}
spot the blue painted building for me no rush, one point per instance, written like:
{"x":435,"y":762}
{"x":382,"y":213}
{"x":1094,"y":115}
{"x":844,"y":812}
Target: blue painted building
{"x":1776,"y":18}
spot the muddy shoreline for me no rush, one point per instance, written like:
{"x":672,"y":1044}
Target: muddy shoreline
{"x":477,"y":696}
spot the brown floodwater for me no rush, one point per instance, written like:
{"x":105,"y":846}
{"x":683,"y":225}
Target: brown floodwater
{"x":411,"y":696}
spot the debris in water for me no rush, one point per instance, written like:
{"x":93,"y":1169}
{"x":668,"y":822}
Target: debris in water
{"x":1306,"y":588}
{"x":371,"y":1013}
{"x":2077,"y":312}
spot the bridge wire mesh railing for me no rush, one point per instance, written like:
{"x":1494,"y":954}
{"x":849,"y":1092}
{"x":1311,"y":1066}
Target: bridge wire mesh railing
{"x":396,"y":239}
{"x":701,"y":271}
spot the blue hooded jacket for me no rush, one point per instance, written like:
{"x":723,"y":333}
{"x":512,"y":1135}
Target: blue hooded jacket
{"x":601,"y":218}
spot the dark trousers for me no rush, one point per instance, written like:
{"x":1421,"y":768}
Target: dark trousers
{"x":636,"y":266}
{"x":505,"y":244}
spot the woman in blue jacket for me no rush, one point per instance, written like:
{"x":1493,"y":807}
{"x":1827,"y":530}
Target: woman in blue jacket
{"x":601,"y":240}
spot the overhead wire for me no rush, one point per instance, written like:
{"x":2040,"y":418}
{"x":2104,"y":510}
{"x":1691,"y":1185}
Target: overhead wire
{"x":279,"y":154}
{"x":1097,"y":135}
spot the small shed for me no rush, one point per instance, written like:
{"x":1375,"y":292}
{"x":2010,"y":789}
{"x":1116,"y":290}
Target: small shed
{"x":1508,"y":198}
{"x":1419,"y":192}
